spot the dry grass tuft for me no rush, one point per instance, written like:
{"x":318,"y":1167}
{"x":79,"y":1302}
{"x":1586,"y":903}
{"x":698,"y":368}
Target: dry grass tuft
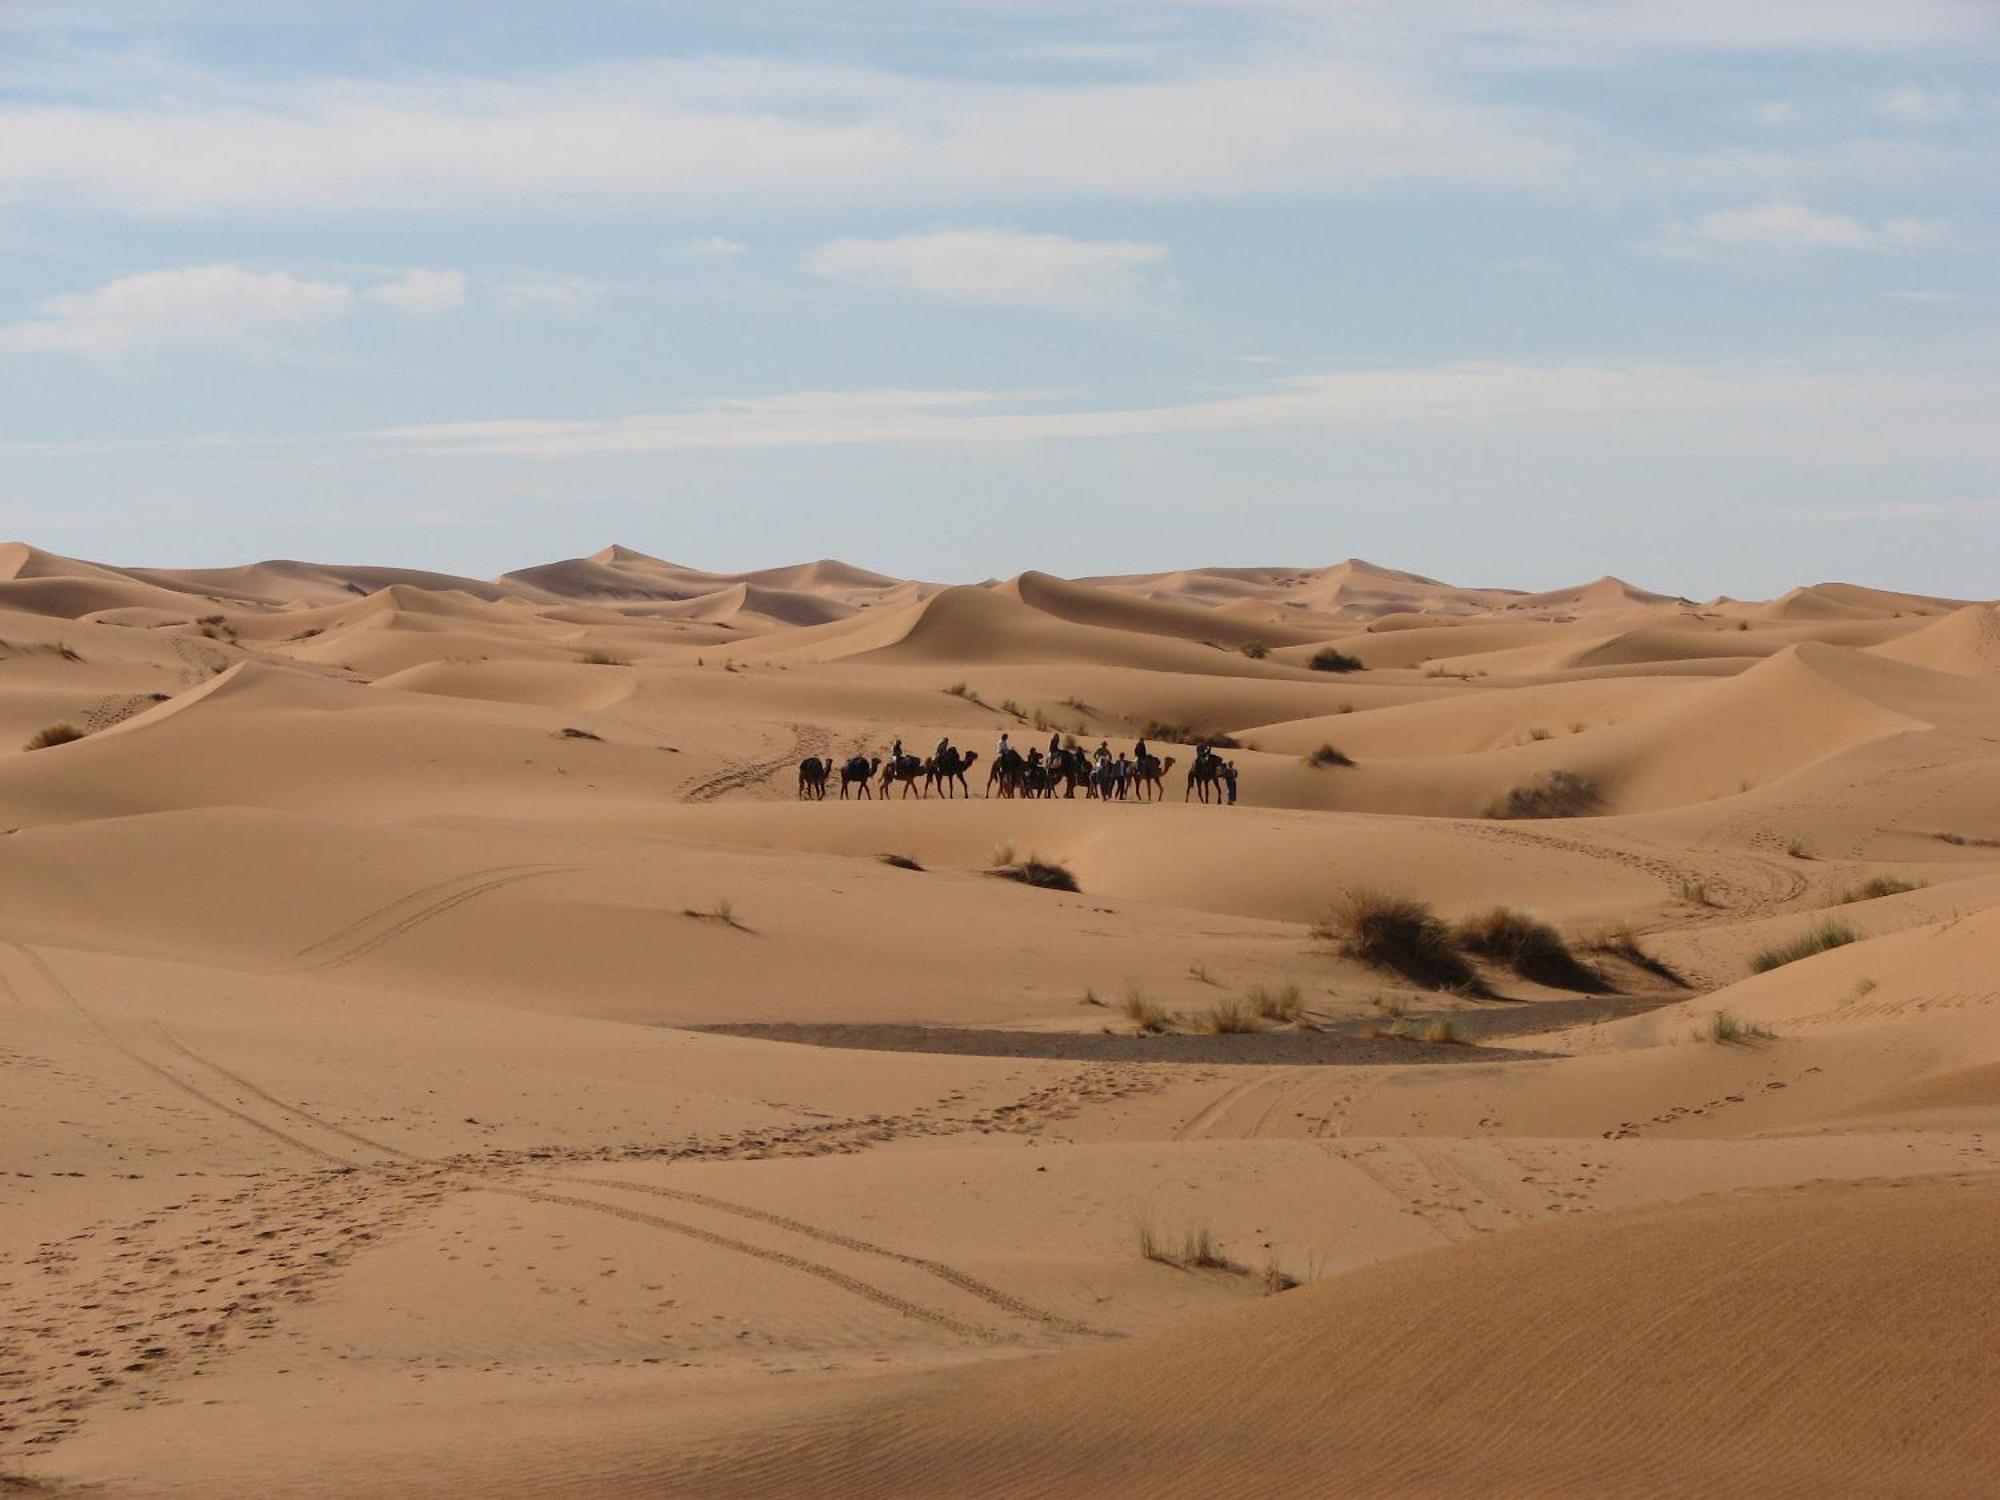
{"x":1531,"y":948}
{"x":900,"y":861}
{"x":573,"y":733}
{"x":1876,"y":889}
{"x":1553,"y":794}
{"x":723,"y":911}
{"x":1040,"y":873}
{"x":1282,"y":1004}
{"x":1726,"y":1026}
{"x":1399,"y":933}
{"x":1328,"y":755}
{"x":1143,"y":1011}
{"x":602,"y":659}
{"x":1230,"y":1016}
{"x":1622,"y":942}
{"x":1198,"y":1250}
{"x":1814,"y":940}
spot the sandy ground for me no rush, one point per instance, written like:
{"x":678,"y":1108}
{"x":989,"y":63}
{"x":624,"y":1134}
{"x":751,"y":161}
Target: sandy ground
{"x":441,"y":1053}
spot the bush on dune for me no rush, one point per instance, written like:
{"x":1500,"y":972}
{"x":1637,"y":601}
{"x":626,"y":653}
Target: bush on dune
{"x":1814,"y":940}
{"x":1399,"y":933}
{"x":1553,"y":794}
{"x":53,"y":734}
{"x":1332,"y":659}
{"x":1532,"y":949}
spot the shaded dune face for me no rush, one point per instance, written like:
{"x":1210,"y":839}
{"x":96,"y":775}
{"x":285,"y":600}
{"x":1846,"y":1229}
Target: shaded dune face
{"x":441,"y":1021}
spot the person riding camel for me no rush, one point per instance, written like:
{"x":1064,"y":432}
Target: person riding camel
{"x":1103,"y":752}
{"x":896,"y":752}
{"x":1055,"y":744}
{"x":1139,"y":751}
{"x":942,"y":746}
{"x":1001,"y":751}
{"x":1034,"y":757}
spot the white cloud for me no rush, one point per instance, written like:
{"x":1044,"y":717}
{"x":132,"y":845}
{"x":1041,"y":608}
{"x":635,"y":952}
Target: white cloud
{"x":1918,"y":106}
{"x":1776,"y":114}
{"x":710,"y":247}
{"x":997,"y":268}
{"x":1920,"y":294}
{"x":420,"y":293}
{"x":197,"y":307}
{"x":549,"y":294}
{"x":1785,"y":226}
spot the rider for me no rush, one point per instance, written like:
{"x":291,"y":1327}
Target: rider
{"x":1055,"y":743}
{"x":1000,"y":753}
{"x":943,"y":746}
{"x":1139,"y":750}
{"x":1103,"y":752}
{"x":896,"y":752}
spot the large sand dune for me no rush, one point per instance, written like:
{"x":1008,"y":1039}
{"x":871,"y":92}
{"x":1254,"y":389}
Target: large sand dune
{"x":442,"y":1054}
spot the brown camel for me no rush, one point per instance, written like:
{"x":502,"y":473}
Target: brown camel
{"x":913,"y":772}
{"x":812,"y":778}
{"x":950,"y":768}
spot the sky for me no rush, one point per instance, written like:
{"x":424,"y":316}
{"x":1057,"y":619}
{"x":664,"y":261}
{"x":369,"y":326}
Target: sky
{"x":1507,"y":292}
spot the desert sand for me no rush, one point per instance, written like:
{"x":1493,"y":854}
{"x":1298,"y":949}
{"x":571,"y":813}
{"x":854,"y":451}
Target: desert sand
{"x":442,"y":1054}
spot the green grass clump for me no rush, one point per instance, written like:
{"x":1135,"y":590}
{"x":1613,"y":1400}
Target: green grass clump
{"x":1815,"y":940}
{"x":1531,"y":948}
{"x":1330,"y":659}
{"x":1399,"y":933}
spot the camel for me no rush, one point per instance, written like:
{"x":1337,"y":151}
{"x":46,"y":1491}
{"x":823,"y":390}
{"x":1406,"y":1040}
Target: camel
{"x":1104,"y":781}
{"x":1007,"y":770}
{"x":812,"y":778}
{"x":908,"y":770}
{"x":1206,"y":776}
{"x":1149,"y":778}
{"x":857,"y":773}
{"x":948,"y":768}
{"x":1071,"y":767}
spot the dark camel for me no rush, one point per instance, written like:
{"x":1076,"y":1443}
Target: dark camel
{"x":1149,"y":778}
{"x":1206,"y":776}
{"x":949,"y":769}
{"x":913,"y":772}
{"x":857,"y":773}
{"x":812,"y":778}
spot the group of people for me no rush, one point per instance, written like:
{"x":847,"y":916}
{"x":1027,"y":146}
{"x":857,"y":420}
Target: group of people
{"x":1103,"y":772}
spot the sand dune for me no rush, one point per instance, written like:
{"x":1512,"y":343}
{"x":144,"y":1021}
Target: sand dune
{"x":441,"y":1052}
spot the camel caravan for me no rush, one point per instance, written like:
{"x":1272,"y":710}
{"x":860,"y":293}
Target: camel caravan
{"x":1103,"y":776}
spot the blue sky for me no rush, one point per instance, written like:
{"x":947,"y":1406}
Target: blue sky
{"x":1508,"y":291}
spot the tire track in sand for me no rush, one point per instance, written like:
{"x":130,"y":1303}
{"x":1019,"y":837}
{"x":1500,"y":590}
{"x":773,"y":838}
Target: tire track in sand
{"x":807,"y":739}
{"x":406,"y":913}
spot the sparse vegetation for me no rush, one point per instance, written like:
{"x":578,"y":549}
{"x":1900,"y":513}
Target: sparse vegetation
{"x":1332,"y":659}
{"x":1814,"y":940}
{"x":1229,"y":1016}
{"x":1197,"y":1250}
{"x":51,"y":735}
{"x":1726,"y":1026}
{"x":1538,"y":733}
{"x":1553,"y":794}
{"x":1280,"y":1003}
{"x":1876,"y":888}
{"x":900,"y":861}
{"x":67,"y":652}
{"x":1695,"y":893}
{"x":1399,"y":933}
{"x":1041,"y":873}
{"x":1328,"y":755}
{"x":1143,"y":1011}
{"x":602,"y":659}
{"x":1797,"y":849}
{"x":1004,"y":854}
{"x":1531,"y":948}
{"x":1622,"y":942}
{"x":723,"y":911}
{"x":1256,"y":650}
{"x":1967,"y":840}
{"x":1183,"y":734}
{"x":1009,"y":706}
{"x":1442,"y":1031}
{"x":573,"y":733}
{"x":309,"y":632}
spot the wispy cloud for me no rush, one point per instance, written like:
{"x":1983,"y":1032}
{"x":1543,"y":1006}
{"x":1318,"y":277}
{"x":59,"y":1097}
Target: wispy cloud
{"x":421,"y":293}
{"x":709,"y":247}
{"x":1451,"y":399}
{"x":998,"y":268}
{"x":1917,"y":107}
{"x":556,"y":292}
{"x":1785,"y":226}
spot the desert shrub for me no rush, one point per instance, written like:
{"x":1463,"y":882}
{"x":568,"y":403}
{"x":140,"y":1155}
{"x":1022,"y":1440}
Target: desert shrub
{"x":1726,"y":1026}
{"x":1184,"y":734}
{"x":1009,"y":706}
{"x":1399,"y":933}
{"x":1143,"y":1011}
{"x":722,"y":911}
{"x":900,"y":861}
{"x":961,"y":690}
{"x":1967,"y":840}
{"x":1045,"y":874}
{"x":1538,"y":733}
{"x":1814,"y":940}
{"x":1622,"y":942}
{"x":1532,"y":949}
{"x":68,"y":652}
{"x":1875,"y":889}
{"x":53,"y":734}
{"x":1256,"y":650}
{"x":1328,"y":755}
{"x":602,"y":659}
{"x":1284,"y":1003}
{"x":1694,"y":892}
{"x":573,"y":733}
{"x":1333,"y":659}
{"x":1229,"y":1016}
{"x":309,"y":632}
{"x":1553,"y":794}
{"x":1797,"y":849}
{"x":1441,"y":1031}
